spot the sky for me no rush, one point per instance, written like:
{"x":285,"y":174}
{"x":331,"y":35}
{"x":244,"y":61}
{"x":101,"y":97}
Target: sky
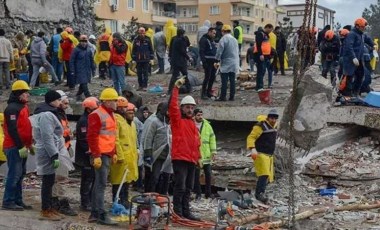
{"x":346,"y":10}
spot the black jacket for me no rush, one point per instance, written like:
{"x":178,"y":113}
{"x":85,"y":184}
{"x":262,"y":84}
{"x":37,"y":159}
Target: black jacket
{"x":178,"y":53}
{"x":249,"y":55}
{"x":142,"y":50}
{"x":207,"y":48}
{"x":331,"y":48}
{"x":82,"y":156}
{"x":280,"y":43}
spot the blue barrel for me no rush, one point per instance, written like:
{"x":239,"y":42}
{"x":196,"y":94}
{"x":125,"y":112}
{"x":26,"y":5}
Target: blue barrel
{"x":24,"y":77}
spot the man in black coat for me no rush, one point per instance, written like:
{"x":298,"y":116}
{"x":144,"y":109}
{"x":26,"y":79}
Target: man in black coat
{"x":207,"y":52}
{"x":280,"y":50}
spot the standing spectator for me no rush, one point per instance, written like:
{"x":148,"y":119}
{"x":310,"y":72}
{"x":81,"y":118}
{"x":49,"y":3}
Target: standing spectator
{"x":6,"y":57}
{"x":29,"y":38}
{"x":67,"y":46}
{"x":185,"y":150}
{"x":208,"y":152}
{"x":238,"y":34}
{"x":53,"y":48}
{"x":218,"y":28}
{"x":117,"y":62}
{"x":160,"y":48}
{"x":92,"y":44}
{"x":82,"y":154}
{"x":178,"y":58}
{"x":280,"y":51}
{"x":20,"y":44}
{"x":262,"y":53}
{"x":142,"y":54}
{"x":207,"y":52}
{"x":203,"y":30}
{"x":17,"y":143}
{"x":330,"y":47}
{"x":227,"y":55}
{"x":82,"y":66}
{"x":250,"y":57}
{"x":103,"y":53}
{"x":38,"y":54}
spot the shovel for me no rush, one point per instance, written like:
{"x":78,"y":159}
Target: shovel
{"x":118,"y":209}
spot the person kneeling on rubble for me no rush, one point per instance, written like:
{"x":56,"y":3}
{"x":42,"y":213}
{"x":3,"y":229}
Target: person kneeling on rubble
{"x":262,"y":143}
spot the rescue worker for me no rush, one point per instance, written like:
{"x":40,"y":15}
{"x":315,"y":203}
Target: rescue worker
{"x":103,"y":52}
{"x":365,"y":85}
{"x":208,"y":152}
{"x":29,"y":38}
{"x":101,"y":137}
{"x":17,"y":143}
{"x":279,"y":61}
{"x":207,"y":52}
{"x":249,"y":57}
{"x":312,"y":49}
{"x":67,"y":46}
{"x":330,"y":47}
{"x":142,"y":54}
{"x":227,"y":56}
{"x":82,"y":154}
{"x":185,"y":150}
{"x":262,"y":53}
{"x":160,"y":49}
{"x":3,"y":158}
{"x":261,"y":143}
{"x":117,"y":62}
{"x":170,"y":31}
{"x":6,"y":58}
{"x":47,"y":134}
{"x":53,"y":49}
{"x":342,"y":35}
{"x":21,"y":44}
{"x":353,"y":67}
{"x":321,"y":34}
{"x":156,"y":148}
{"x":238,"y":34}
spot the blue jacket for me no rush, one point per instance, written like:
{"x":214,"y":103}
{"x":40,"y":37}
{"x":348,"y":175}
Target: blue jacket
{"x":353,"y":48}
{"x":142,"y":50}
{"x":82,"y":64}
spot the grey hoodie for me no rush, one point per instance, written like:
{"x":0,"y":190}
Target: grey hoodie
{"x":38,"y":50}
{"x":203,"y":29}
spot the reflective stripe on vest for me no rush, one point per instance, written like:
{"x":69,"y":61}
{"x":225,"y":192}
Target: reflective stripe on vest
{"x":107,"y":133}
{"x":240,"y":38}
{"x":66,"y":131}
{"x":268,"y":129}
{"x":265,"y":45}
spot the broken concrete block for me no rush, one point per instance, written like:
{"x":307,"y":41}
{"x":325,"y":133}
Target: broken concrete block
{"x":343,"y":196}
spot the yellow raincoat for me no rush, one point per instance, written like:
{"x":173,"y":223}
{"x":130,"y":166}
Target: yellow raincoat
{"x":373,"y":60}
{"x":170,"y":31}
{"x":2,"y":155}
{"x":264,"y":163}
{"x":150,"y":33}
{"x":64,"y":36}
{"x":103,"y":55}
{"x":16,"y":56}
{"x":126,"y":150}
{"x":128,"y":58}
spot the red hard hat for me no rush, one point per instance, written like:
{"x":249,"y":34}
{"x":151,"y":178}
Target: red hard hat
{"x":329,"y":35}
{"x":343,"y":32}
{"x":361,"y":22}
{"x":313,"y":30}
{"x":91,"y":103}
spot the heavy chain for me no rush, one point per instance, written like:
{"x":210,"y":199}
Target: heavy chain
{"x":304,"y":43}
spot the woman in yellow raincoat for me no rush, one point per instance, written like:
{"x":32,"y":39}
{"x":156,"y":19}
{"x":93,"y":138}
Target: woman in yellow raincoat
{"x":126,"y":151}
{"x":103,"y":52}
{"x":170,"y":31}
{"x":3,"y":158}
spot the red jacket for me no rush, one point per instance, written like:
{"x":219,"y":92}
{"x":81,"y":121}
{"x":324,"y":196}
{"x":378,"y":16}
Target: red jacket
{"x":67,"y":48}
{"x":118,"y":52}
{"x":93,"y":130}
{"x":186,"y":140}
{"x":17,"y":126}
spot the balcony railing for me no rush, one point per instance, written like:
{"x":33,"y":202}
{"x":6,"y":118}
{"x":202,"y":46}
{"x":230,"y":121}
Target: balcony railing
{"x":170,"y":14}
{"x":187,"y":16}
{"x":241,"y":13}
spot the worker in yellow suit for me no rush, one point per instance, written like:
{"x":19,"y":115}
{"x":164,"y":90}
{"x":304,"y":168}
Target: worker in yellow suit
{"x":103,"y":52}
{"x":375,"y":57}
{"x":262,"y":143}
{"x":170,"y":31}
{"x":128,"y":60}
{"x":3,"y":158}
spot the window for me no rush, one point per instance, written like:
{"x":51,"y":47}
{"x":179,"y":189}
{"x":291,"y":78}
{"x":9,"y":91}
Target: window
{"x":257,"y":13}
{"x":214,"y":10}
{"x":114,"y":26}
{"x":131,"y":4}
{"x":190,"y":28}
{"x":145,"y":5}
{"x":295,"y":13}
{"x":320,"y":15}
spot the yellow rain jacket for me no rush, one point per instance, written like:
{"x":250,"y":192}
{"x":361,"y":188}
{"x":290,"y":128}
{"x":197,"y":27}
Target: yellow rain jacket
{"x":2,"y":155}
{"x":150,"y":33}
{"x":126,"y":150}
{"x":170,"y":31}
{"x":16,"y":56}
{"x":373,"y":60}
{"x":64,"y":36}
{"x":273,"y":40}
{"x":286,"y":65}
{"x":264,"y":163}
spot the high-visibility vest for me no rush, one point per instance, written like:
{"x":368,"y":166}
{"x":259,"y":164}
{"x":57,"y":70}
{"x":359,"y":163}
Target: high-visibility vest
{"x":240,"y":38}
{"x":265,"y":45}
{"x":66,"y":132}
{"x":107,"y":133}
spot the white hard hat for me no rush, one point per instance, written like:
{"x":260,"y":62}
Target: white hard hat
{"x":63,"y":94}
{"x":188,"y":100}
{"x":42,"y":69}
{"x":92,"y":37}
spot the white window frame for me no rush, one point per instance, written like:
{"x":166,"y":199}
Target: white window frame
{"x":133,"y":3}
{"x":145,"y":3}
{"x":214,"y":8}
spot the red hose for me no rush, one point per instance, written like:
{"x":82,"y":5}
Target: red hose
{"x":191,"y":223}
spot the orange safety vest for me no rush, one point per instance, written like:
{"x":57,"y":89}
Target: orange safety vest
{"x":66,"y":132}
{"x":107,"y":133}
{"x":265,"y":45}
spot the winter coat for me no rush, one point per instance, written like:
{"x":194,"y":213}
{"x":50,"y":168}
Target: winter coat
{"x":6,"y":50}
{"x":135,"y":99}
{"x":218,"y":34}
{"x":280,"y":43}
{"x":160,"y":44}
{"x":67,"y":46}
{"x":82,"y":155}
{"x":54,"y":43}
{"x":38,"y":50}
{"x":185,"y":135}
{"x":142,"y":50}
{"x":118,"y":52}
{"x":330,"y":49}
{"x":103,"y":47}
{"x":17,"y":126}
{"x":170,"y":31}
{"x":228,"y":54}
{"x":82,"y":64}
{"x":208,"y":142}
{"x":203,"y":29}
{"x":47,"y":133}
{"x":207,"y":48}
{"x":249,"y":55}
{"x":353,"y":48}
{"x":178,"y":53}
{"x":3,"y":158}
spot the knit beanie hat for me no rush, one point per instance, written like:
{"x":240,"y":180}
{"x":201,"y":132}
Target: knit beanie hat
{"x":51,"y":96}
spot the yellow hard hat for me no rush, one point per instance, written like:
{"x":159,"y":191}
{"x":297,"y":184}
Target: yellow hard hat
{"x":20,"y":85}
{"x":226,"y":27}
{"x":108,"y":94}
{"x":1,"y":117}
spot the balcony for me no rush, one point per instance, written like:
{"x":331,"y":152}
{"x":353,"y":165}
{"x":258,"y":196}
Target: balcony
{"x":163,"y":16}
{"x":248,"y":36}
{"x":186,"y":2}
{"x":244,"y":2}
{"x":242,"y":16}
{"x":164,"y":1}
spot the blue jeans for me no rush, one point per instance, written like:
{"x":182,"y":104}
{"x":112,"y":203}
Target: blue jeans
{"x":100,"y":183}
{"x":230,"y":76}
{"x":269,"y":68}
{"x":57,"y":66}
{"x":118,"y":78}
{"x":16,"y":173}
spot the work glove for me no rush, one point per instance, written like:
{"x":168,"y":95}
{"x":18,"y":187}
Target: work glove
{"x":23,"y":152}
{"x":216,"y":65}
{"x":180,"y":82}
{"x":56,"y":163}
{"x":355,"y":61}
{"x":32,"y":150}
{"x":97,"y":162}
{"x":151,"y":62}
{"x":254,"y":154}
{"x":114,"y":159}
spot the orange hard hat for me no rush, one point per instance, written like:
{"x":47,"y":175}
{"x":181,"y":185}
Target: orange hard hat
{"x":69,"y":30}
{"x":122,"y":102}
{"x":91,"y":103}
{"x":343,"y":32}
{"x":361,"y":22}
{"x":329,"y":34}
{"x":313,"y":30}
{"x":131,"y":107}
